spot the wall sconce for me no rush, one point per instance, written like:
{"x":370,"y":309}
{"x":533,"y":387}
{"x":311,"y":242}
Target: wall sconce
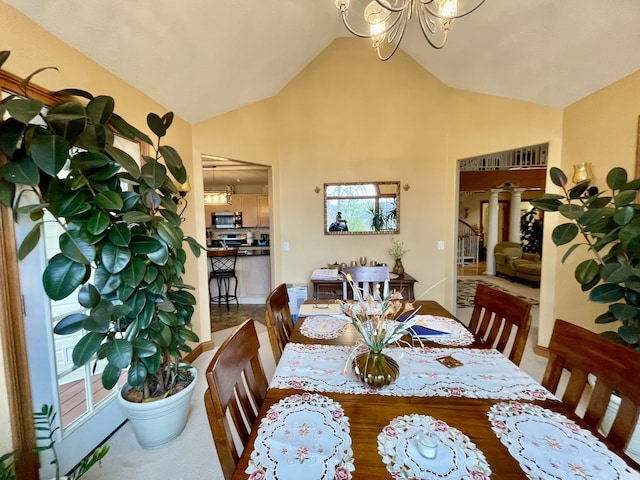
{"x":180,"y":198}
{"x":582,"y":172}
{"x":317,"y":189}
{"x":406,"y":187}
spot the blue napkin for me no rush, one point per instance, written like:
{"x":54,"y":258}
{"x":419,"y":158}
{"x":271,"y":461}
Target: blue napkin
{"x":421,"y":330}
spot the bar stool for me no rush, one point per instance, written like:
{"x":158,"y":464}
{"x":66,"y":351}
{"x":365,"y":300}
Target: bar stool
{"x":223,"y":269}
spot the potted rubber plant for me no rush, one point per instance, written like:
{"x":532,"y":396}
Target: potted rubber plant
{"x":122,"y":248}
{"x":607,"y":223}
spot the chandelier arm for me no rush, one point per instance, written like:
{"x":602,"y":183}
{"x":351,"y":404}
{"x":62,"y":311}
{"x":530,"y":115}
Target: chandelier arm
{"x":429,"y":26}
{"x":395,"y":45}
{"x":406,"y":4}
{"x":429,"y":5}
{"x":396,"y":19}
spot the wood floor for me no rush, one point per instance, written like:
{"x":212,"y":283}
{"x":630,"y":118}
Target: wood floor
{"x":472,"y":269}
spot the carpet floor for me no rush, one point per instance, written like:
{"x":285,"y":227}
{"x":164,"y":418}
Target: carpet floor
{"x":466,"y":290}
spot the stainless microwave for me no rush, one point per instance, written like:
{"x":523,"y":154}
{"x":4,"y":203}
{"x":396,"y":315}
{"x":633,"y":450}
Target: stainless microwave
{"x":226,"y":219}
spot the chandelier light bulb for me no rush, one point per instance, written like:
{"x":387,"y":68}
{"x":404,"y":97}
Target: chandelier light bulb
{"x":447,"y":8}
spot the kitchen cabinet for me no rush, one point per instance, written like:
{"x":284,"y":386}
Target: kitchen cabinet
{"x":255,"y":210}
{"x":263,"y":210}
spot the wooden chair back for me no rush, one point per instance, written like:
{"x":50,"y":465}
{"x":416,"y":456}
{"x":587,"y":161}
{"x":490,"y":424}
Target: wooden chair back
{"x":495,"y":317}
{"x":374,"y":280}
{"x":279,"y":320}
{"x":615,"y":368}
{"x":237,"y":386}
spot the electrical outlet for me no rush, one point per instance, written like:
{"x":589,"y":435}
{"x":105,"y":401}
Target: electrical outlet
{"x":285,"y":246}
{"x":440,"y":244}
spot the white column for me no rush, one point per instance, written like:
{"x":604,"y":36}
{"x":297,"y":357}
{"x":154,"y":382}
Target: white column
{"x":514,"y":215}
{"x":492,"y":231}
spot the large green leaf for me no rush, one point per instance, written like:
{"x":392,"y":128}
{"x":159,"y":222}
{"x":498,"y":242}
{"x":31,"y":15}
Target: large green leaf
{"x":73,"y":204}
{"x":73,"y":246}
{"x":170,"y":234}
{"x":70,"y":324}
{"x":629,"y":334}
{"x":143,"y":348}
{"x":21,"y":172}
{"x":99,"y":109}
{"x":151,"y":199}
{"x":109,"y":200}
{"x":623,"y":215}
{"x":114,"y":257}
{"x":86,"y":348}
{"x":134,"y":272}
{"x":125,"y":160}
{"x":24,"y":109}
{"x":156,"y":125}
{"x":89,"y":160}
{"x":94,"y":138}
{"x":168,"y":318}
{"x":616,"y":178}
{"x":98,"y":321}
{"x":30,"y":241}
{"x":586,"y":271}
{"x":606,"y":293}
{"x":98,"y":223}
{"x":136,"y":217}
{"x":157,"y":251}
{"x":49,"y":152}
{"x":67,"y":119}
{"x":11,"y":131}
{"x":571,"y":210}
{"x":105,"y":173}
{"x":153,"y":174}
{"x":110,"y":376}
{"x":564,"y":233}
{"x":174,"y":163}
{"x":120,"y":235}
{"x":137,"y":374}
{"x":105,"y":282}
{"x":182,"y":297}
{"x":557,"y":177}
{"x":62,"y":276}
{"x":130,"y":200}
{"x":88,"y":296}
{"x":127,"y":130}
{"x":624,"y":312}
{"x":624,"y":198}
{"x":119,"y":352}
{"x":616,"y":273}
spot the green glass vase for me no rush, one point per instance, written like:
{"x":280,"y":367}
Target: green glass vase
{"x":375,"y":369}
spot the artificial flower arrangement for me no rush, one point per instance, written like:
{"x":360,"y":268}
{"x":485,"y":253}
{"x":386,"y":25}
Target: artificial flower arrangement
{"x":376,"y":319}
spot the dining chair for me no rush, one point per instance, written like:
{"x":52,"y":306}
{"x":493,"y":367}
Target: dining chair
{"x":236,"y":389}
{"x":497,"y":317}
{"x":367,"y":279}
{"x":279,"y":320}
{"x":601,"y":365}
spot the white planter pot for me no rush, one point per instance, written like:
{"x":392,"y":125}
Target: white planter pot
{"x":157,"y":423}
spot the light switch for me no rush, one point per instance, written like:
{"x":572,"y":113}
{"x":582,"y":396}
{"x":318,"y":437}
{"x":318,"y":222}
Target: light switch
{"x":440,"y":244}
{"x":285,"y":246}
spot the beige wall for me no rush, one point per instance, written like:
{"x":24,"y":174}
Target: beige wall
{"x":601,"y":129}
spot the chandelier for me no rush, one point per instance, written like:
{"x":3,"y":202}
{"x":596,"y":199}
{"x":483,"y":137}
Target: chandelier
{"x":219,"y":197}
{"x":384,"y":21}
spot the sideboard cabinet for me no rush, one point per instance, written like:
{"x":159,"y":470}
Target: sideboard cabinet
{"x":332,"y":289}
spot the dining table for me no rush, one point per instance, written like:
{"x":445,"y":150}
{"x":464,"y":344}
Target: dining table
{"x":458,"y":410}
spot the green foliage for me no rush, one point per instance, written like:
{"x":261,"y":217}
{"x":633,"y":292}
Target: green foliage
{"x":46,"y":427}
{"x":7,"y":471}
{"x":122,"y":240}
{"x":608,"y":225}
{"x":531,"y":232}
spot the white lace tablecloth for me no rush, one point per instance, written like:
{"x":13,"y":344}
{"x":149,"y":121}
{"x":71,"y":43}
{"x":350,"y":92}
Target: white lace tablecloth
{"x":325,"y":327}
{"x":548,"y":445}
{"x":302,"y":437}
{"x":484,"y":373}
{"x":457,"y":334}
{"x":457,"y":456}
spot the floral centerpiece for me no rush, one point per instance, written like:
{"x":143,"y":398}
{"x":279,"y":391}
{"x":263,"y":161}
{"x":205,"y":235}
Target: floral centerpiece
{"x":377,"y":321}
{"x":397,"y":251}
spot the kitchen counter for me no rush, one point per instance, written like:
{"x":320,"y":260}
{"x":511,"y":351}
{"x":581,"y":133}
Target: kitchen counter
{"x":248,"y":251}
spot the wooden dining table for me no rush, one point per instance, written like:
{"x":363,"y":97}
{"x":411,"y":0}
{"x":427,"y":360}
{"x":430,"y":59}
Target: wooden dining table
{"x":369,"y":414}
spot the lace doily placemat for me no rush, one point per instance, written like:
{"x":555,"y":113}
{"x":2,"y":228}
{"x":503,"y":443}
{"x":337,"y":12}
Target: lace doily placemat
{"x":456,"y":334}
{"x":324,"y":327}
{"x":548,"y":445}
{"x":302,"y":436}
{"x":457,"y":456}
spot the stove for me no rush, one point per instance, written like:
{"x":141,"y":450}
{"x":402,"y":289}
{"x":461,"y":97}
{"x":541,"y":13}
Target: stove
{"x":232,"y":239}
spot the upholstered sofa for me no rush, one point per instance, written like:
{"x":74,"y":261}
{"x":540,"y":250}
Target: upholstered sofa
{"x":513,"y":263}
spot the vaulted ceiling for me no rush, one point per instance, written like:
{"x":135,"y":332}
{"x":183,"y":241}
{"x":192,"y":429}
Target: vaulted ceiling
{"x":201,"y":58}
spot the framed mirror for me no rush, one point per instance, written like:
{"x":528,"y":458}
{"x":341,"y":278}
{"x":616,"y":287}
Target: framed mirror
{"x":361,"y":208}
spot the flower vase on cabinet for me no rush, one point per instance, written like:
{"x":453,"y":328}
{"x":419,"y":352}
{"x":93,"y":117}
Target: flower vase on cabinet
{"x":398,"y":268}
